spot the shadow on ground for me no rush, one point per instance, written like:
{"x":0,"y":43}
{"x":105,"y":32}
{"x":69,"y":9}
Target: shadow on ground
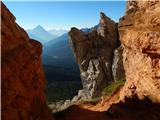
{"x":132,"y":109}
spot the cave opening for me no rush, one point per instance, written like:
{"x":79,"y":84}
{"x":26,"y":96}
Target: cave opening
{"x":60,"y":66}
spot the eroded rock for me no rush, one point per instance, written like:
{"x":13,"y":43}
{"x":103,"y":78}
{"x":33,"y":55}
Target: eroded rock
{"x":94,"y":53}
{"x":117,"y":66}
{"x":139,"y":33}
{"x":23,"y":80}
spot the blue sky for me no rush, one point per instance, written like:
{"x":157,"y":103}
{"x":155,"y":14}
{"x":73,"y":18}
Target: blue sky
{"x":63,"y":14}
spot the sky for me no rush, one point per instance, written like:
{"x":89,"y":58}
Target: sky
{"x":63,"y":14}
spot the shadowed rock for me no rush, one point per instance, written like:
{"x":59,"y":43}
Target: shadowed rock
{"x":23,"y":80}
{"x":132,"y":109}
{"x":117,"y":66}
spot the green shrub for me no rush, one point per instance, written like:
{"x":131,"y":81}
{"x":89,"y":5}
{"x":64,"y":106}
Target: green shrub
{"x":113,"y":87}
{"x":91,"y":101}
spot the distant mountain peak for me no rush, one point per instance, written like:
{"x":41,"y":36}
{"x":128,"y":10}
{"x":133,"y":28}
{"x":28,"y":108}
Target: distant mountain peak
{"x":39,"y":27}
{"x":40,"y":34}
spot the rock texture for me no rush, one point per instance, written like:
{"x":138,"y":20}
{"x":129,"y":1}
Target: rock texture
{"x":117,"y":66}
{"x":23,"y":80}
{"x":139,"y":33}
{"x":94,"y":53}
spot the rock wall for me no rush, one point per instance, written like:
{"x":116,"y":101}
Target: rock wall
{"x":23,"y":80}
{"x":94,"y":53}
{"x":139,"y":33}
{"x":117,"y":66}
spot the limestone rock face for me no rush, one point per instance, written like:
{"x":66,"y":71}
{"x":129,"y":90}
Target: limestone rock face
{"x":139,"y":33}
{"x":94,"y":53}
{"x":23,"y":80}
{"x":117,"y":66}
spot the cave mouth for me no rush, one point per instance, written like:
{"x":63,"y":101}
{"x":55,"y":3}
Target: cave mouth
{"x":60,"y":67}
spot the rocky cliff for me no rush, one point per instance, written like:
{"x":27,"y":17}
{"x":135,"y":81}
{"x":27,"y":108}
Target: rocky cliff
{"x":23,"y":80}
{"x":139,"y":32}
{"x":117,"y":65}
{"x":94,"y":52}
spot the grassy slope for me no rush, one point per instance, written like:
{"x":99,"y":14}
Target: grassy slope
{"x":110,"y":89}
